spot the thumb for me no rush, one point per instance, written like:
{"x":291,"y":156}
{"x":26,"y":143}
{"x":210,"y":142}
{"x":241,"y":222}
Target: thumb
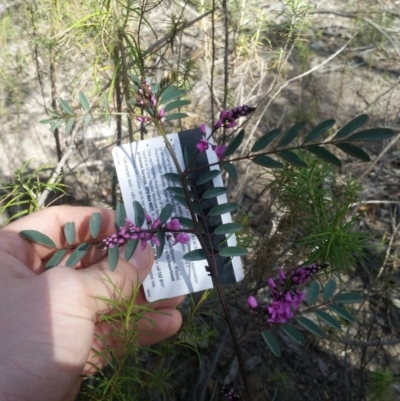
{"x":103,"y":284}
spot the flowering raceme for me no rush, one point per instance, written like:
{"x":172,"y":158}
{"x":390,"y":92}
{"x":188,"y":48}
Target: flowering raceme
{"x":130,"y":231}
{"x":286,"y":298}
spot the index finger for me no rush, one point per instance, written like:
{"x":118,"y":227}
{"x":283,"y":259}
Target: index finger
{"x":51,"y":222}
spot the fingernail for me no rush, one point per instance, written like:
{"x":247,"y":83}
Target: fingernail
{"x":141,"y":258}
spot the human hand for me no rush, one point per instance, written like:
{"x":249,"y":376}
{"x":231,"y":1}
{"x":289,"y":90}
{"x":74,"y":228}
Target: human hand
{"x":49,"y":319}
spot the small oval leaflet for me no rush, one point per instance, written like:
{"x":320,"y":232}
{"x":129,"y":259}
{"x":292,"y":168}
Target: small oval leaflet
{"x":182,"y":200}
{"x":317,"y":131}
{"x":329,"y":289}
{"x":354,"y":151}
{"x":214,"y":192}
{"x":313,"y":292}
{"x":160,"y":249}
{"x":69,"y":232}
{"x":68,"y":126}
{"x":267,"y":161}
{"x":372,"y":134}
{"x":139,"y":214}
{"x":65,"y":106}
{"x":176,"y":116}
{"x":265,"y":140}
{"x":180,"y":191}
{"x":222,"y":209}
{"x":324,"y":154}
{"x":83,"y":101}
{"x":271,"y":342}
{"x":228,"y":228}
{"x":210,"y":175}
{"x":342,"y":312}
{"x":176,"y":104}
{"x":231,"y":170}
{"x":292,"y":158}
{"x":310,"y":326}
{"x":173,"y":177}
{"x":56,"y":258}
{"x":188,"y":223}
{"x":120,"y":215}
{"x":328,"y":319}
{"x":166,"y":213}
{"x":172,"y":92}
{"x":130,"y":248}
{"x":293,"y":333}
{"x":95,"y":224}
{"x":38,"y":238}
{"x":113,"y":256}
{"x":349,"y":298}
{"x":291,"y":134}
{"x":352,"y":125}
{"x":193,"y":256}
{"x":78,"y":254}
{"x":234,"y":144}
{"x":231,"y":251}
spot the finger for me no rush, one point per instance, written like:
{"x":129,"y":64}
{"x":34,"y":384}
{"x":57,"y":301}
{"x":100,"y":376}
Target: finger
{"x":152,"y":328}
{"x":51,"y":222}
{"x":163,"y":303}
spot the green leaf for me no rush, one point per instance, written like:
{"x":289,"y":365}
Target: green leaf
{"x":210,"y":175}
{"x":310,"y":326}
{"x":193,"y":256}
{"x":78,"y":254}
{"x":329,"y":289}
{"x":180,"y":191}
{"x":68,"y":126}
{"x":188,"y":223}
{"x":66,"y":107}
{"x":176,"y":116}
{"x":228,"y":228}
{"x":349,"y":298}
{"x":273,"y":345}
{"x":292,"y":158}
{"x":313,"y":292}
{"x":87,"y":120}
{"x":56,"y":258}
{"x":70,"y":232}
{"x":328,"y":319}
{"x":213,"y":192}
{"x":168,"y":95}
{"x":317,"y":131}
{"x":342,"y":312}
{"x":354,"y":151}
{"x":231,"y":170}
{"x":166,"y":213}
{"x":54,"y":126}
{"x":291,"y":134}
{"x":265,"y":140}
{"x":293,"y":333}
{"x":231,"y":251}
{"x":130,"y":248}
{"x":352,"y":125}
{"x":113,"y":257}
{"x":372,"y":134}
{"x":234,"y":144}
{"x":95,"y":224}
{"x":139,"y":214}
{"x":173,"y":177}
{"x":182,"y":200}
{"x":222,"y":209}
{"x":48,"y":120}
{"x":84,"y":102}
{"x":267,"y":161}
{"x":324,"y":154}
{"x":176,"y":104}
{"x":120,"y":215}
{"x":38,"y":238}
{"x":160,"y":249}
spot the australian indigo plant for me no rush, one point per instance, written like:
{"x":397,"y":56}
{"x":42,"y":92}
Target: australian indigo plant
{"x":155,"y":105}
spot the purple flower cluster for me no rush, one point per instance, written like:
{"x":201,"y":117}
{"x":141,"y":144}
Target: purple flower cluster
{"x":203,"y":145}
{"x":286,"y":298}
{"x":227,"y":118}
{"x":146,"y":99}
{"x":130,"y":231}
{"x":230,"y":394}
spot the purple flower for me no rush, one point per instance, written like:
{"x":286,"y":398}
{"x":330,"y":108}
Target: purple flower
{"x":161,"y":113}
{"x":157,"y":223}
{"x":282,"y":276}
{"x":252,"y":302}
{"x":219,"y":151}
{"x":149,"y":220}
{"x":182,"y":238}
{"x":271,"y":284}
{"x":227,"y":119}
{"x":173,"y":225}
{"x":203,"y":129}
{"x":202,"y":145}
{"x":142,"y":119}
{"x":153,"y":100}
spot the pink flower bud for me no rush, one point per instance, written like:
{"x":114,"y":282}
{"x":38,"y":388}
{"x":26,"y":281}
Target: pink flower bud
{"x":203,"y":129}
{"x":157,"y":223}
{"x":202,"y":145}
{"x":183,"y":238}
{"x":219,"y":151}
{"x":161,"y":113}
{"x":173,"y":225}
{"x":252,"y":302}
